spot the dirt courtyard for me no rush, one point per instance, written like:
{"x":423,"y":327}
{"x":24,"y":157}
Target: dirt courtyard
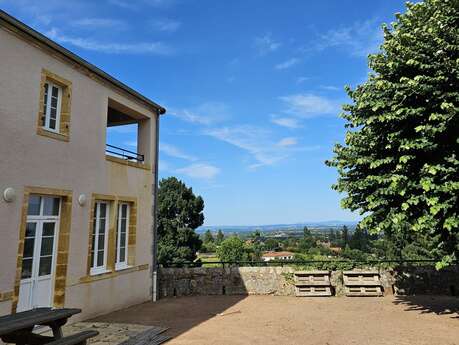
{"x":225,"y":320}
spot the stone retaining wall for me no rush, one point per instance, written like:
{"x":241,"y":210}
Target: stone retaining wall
{"x":279,"y":281}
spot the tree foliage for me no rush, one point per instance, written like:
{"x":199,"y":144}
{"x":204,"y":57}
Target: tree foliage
{"x":220,"y":237}
{"x":399,"y":164}
{"x":232,"y":249}
{"x":180,"y":212}
{"x":208,"y":237}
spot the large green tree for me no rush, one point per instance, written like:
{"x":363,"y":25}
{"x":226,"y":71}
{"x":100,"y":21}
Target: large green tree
{"x":232,"y":249}
{"x":399,"y":164}
{"x":180,"y":212}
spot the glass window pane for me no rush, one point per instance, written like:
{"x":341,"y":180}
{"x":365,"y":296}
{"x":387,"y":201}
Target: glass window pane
{"x":123,"y":240}
{"x":26,"y":268}
{"x":123,"y":225}
{"x":100,"y":258}
{"x":28,"y":247}
{"x":30,"y":229}
{"x":101,"y":242}
{"x":34,"y":205}
{"x":47,"y":246}
{"x":51,"y":206}
{"x":102,"y":226}
{"x":45,"y":102}
{"x":122,"y":255}
{"x":48,"y":229}
{"x":45,"y":266}
{"x":55,"y":91}
{"x":53,"y":102}
{"x":103,"y":210}
{"x":124,"y":211}
{"x":52,"y":124}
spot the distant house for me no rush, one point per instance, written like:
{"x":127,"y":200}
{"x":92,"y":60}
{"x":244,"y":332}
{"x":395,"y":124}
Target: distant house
{"x":270,"y":256}
{"x":75,"y":212}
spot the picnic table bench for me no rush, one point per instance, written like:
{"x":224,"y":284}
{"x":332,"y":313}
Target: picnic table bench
{"x":18,"y":328}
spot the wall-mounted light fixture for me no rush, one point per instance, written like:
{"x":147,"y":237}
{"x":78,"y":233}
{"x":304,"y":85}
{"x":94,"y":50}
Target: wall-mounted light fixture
{"x":9,"y":194}
{"x":82,"y":200}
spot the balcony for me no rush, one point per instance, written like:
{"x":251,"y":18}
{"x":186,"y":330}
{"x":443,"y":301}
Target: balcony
{"x":128,"y":136}
{"x":119,"y":152}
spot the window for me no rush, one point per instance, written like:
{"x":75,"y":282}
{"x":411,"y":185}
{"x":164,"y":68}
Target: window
{"x":52,"y":100}
{"x":99,"y":238}
{"x":122,"y":233}
{"x":54,"y":107}
{"x":40,"y":235}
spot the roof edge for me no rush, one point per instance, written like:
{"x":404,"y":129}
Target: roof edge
{"x":24,"y":28}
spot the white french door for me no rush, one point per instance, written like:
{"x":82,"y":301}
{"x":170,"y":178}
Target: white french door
{"x":39,"y":255}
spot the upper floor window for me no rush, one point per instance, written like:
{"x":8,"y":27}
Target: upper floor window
{"x":54,"y":111}
{"x":52,"y":101}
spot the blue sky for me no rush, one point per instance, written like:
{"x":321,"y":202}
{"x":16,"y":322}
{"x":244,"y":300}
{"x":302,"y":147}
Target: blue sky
{"x":253,"y":90}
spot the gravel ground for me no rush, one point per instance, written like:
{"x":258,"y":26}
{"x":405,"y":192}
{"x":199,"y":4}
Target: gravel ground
{"x":225,"y":320}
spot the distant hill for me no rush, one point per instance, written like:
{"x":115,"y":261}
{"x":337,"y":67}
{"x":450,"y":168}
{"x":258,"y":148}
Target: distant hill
{"x":273,"y":227}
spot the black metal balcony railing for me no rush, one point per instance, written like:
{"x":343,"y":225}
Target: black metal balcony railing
{"x":123,"y":153}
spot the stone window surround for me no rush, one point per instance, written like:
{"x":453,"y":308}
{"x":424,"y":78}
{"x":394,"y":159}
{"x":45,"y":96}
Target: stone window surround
{"x":113,"y":202}
{"x":63,"y":241}
{"x":64,"y":123}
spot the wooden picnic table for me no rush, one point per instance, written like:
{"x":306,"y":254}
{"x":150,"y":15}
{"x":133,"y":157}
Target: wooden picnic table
{"x":18,"y":328}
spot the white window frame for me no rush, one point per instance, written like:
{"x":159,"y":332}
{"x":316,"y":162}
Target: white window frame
{"x":103,"y":268}
{"x":119,"y":265}
{"x":47,"y":110}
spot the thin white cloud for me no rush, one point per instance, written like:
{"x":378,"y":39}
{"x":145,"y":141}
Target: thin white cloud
{"x":330,"y":88}
{"x":166,"y":25}
{"x":136,"y":5}
{"x":289,"y":141}
{"x":155,"y":48}
{"x":266,"y":44}
{"x":287,"y":64}
{"x":174,"y":151}
{"x":301,"y":80}
{"x":99,"y":23}
{"x":359,"y":39}
{"x":308,"y":105}
{"x":199,"y":171}
{"x":288,"y":122}
{"x":43,"y":13}
{"x":163,"y":166}
{"x":206,"y":114}
{"x":258,"y":142}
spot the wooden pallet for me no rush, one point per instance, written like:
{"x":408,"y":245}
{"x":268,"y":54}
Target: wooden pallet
{"x":307,"y":291}
{"x":312,"y":283}
{"x":362,"y":283}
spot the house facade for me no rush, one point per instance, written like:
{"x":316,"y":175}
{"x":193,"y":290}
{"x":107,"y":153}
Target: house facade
{"x":75,"y":213}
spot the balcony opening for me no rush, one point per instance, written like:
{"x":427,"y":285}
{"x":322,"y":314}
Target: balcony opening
{"x":126,"y":135}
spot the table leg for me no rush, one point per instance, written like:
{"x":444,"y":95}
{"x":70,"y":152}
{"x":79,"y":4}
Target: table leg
{"x":57,"y":331}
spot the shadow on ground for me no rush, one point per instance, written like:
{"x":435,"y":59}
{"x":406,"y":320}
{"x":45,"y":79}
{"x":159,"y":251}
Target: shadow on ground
{"x":166,"y":312}
{"x":440,"y":305}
